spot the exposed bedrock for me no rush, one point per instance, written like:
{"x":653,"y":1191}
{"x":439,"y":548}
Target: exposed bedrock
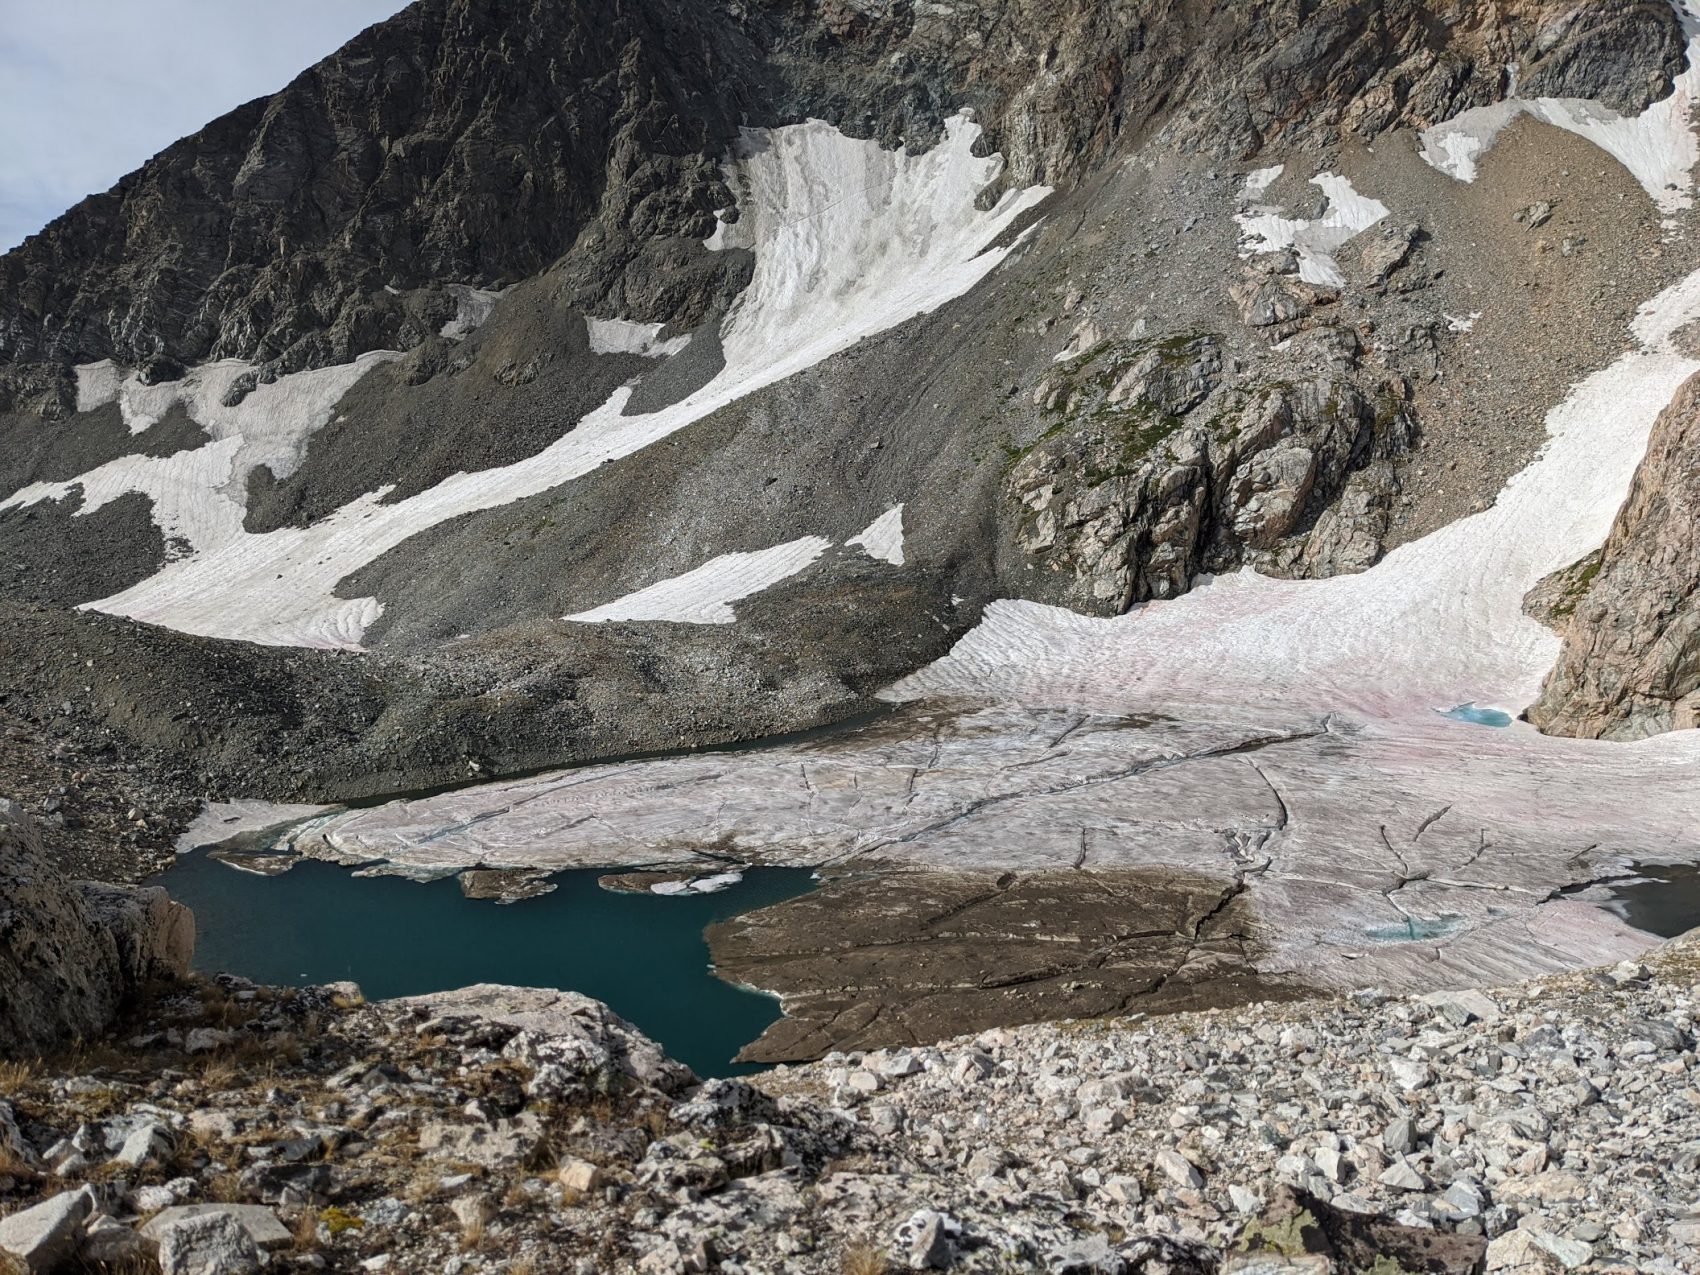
{"x":1160,"y":465}
{"x":477,"y":141}
{"x":72,"y":954}
{"x":1630,"y":614}
{"x":871,"y":961}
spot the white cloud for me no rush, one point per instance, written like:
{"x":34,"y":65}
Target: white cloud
{"x":91,"y":89}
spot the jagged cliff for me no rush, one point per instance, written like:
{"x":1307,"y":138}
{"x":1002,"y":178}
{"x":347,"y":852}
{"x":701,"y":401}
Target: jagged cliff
{"x":1630,"y":614}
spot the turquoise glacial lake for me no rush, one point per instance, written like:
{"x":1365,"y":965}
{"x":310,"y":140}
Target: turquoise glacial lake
{"x":644,"y":954}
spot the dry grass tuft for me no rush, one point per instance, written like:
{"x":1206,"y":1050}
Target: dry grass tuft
{"x":226,"y":1188}
{"x":17,"y":1074}
{"x":863,"y":1258}
{"x":13,"y":1165}
{"x":219,"y":1071}
{"x":473,"y":1234}
{"x":305,"y":1233}
{"x":137,"y":1265}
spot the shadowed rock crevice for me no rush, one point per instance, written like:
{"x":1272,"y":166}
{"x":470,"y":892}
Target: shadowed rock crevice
{"x":73,"y":955}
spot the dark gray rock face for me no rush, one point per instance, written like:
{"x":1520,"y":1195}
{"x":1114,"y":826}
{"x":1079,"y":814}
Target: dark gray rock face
{"x":480,"y":140}
{"x":1630,"y":615}
{"x":463,"y":139}
{"x":71,"y":954}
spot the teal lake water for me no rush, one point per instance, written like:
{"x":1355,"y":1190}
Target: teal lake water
{"x":643,"y":954}
{"x":1478,"y":716}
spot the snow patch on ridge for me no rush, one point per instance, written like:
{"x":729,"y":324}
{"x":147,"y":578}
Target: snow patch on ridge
{"x":1257,"y":183}
{"x":849,"y":240}
{"x":705,"y":595}
{"x":1658,"y":146}
{"x":472,"y":310}
{"x":883,"y":538}
{"x":622,"y":336}
{"x":97,"y":384}
{"x":1316,"y":241}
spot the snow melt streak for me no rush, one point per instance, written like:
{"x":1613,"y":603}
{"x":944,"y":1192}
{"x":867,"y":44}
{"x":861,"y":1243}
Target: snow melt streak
{"x":705,"y":596}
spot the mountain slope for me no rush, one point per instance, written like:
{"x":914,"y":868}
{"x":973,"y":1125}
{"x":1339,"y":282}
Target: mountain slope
{"x":514,"y":312}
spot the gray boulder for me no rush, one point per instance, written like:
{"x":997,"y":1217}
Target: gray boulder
{"x":207,"y":1244}
{"x":45,"y":1235}
{"x":72,"y":952}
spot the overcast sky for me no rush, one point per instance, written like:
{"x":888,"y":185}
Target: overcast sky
{"x":91,"y":89}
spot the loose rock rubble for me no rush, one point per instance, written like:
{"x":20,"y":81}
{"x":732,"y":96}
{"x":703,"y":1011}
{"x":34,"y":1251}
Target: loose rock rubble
{"x":1553,"y":1126}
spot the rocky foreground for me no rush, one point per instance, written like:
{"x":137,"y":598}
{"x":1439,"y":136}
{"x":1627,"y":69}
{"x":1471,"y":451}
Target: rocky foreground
{"x":1552,"y":1126}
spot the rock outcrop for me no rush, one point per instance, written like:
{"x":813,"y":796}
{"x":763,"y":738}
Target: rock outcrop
{"x":1160,"y":465}
{"x":72,"y":954}
{"x":476,"y":141}
{"x":1630,"y":615}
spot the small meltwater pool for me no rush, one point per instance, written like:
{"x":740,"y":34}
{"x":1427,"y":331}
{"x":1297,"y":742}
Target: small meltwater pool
{"x":1476,"y":715}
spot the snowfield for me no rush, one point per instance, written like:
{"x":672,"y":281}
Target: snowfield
{"x":849,"y":240}
{"x":705,"y":596}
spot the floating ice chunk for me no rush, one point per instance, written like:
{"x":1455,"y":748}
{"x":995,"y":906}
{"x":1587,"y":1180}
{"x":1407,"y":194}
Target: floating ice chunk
{"x":472,"y":310}
{"x":884,"y":537}
{"x":622,"y":336}
{"x":1349,"y":214}
{"x":698,"y":885}
{"x":705,"y":595}
{"x":1658,"y":146}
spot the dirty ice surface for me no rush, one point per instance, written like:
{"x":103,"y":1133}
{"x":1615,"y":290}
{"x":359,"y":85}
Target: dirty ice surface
{"x":622,"y":336}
